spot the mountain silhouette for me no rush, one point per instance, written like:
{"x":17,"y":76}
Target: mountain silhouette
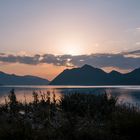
{"x":88,"y":75}
{"x":12,"y":79}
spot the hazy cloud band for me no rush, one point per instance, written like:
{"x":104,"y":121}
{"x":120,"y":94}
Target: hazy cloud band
{"x":127,"y":60}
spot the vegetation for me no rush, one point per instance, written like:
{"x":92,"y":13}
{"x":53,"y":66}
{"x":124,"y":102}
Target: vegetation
{"x":74,"y":117}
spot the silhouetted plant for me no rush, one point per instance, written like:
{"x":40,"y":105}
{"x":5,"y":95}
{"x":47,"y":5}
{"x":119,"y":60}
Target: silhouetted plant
{"x":35,"y":97}
{"x":76,"y":116}
{"x":13,"y":104}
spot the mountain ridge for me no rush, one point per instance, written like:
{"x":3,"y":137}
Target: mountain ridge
{"x":88,"y":75}
{"x":13,"y":79}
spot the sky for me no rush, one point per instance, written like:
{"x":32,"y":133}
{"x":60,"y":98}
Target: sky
{"x":44,"y":37}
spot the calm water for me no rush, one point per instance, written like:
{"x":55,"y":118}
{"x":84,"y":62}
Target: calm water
{"x":125,"y":94}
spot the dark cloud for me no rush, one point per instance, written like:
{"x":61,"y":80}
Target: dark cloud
{"x":2,"y":53}
{"x":127,"y":60}
{"x":133,"y":53}
{"x":20,"y":59}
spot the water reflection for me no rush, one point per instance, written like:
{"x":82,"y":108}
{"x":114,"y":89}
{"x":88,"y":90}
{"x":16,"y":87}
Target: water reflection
{"x":26,"y":94}
{"x":125,"y":94}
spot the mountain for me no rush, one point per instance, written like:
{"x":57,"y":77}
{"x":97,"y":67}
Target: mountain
{"x":12,"y":79}
{"x":88,"y":75}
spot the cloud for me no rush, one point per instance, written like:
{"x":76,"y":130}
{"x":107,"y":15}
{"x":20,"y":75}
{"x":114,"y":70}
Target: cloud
{"x":138,"y":29}
{"x":125,"y":60}
{"x":136,"y":52}
{"x":20,"y":59}
{"x":2,"y":53}
{"x":138,"y":43}
{"x":133,"y":54}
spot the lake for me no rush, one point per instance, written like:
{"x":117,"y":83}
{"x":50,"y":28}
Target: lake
{"x":125,"y":94}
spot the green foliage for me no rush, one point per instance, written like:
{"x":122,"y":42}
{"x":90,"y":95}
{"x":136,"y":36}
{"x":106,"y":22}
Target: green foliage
{"x":75,"y":116}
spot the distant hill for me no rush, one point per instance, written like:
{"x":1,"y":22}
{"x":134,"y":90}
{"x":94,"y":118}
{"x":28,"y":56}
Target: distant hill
{"x":88,"y":75}
{"x":12,"y":79}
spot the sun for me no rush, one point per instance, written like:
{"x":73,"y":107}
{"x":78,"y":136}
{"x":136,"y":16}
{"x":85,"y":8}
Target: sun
{"x":72,"y":49}
{"x":70,"y":45}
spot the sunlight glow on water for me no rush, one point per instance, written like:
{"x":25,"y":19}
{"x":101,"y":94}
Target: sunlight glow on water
{"x":125,"y":94}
